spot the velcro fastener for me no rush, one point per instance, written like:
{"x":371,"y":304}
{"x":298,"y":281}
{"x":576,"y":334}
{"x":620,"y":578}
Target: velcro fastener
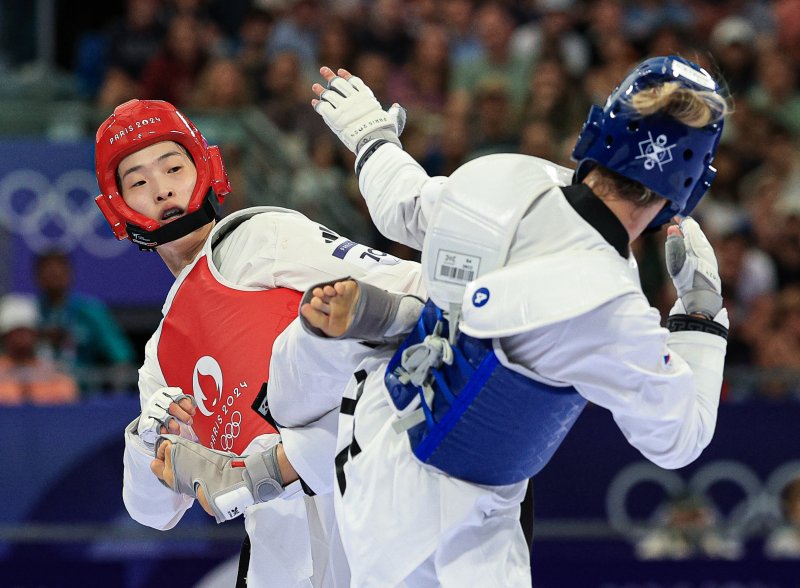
{"x":685,"y":322}
{"x":263,"y":474}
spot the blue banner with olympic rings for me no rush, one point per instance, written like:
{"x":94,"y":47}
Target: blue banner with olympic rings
{"x":47,"y":192}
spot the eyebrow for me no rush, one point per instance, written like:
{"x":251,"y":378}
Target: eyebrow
{"x":138,"y":167}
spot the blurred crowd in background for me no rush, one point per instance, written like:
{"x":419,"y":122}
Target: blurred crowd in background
{"x":479,"y":78}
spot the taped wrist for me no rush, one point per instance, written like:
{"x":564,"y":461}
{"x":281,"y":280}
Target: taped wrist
{"x":263,"y":475}
{"x":685,"y":322}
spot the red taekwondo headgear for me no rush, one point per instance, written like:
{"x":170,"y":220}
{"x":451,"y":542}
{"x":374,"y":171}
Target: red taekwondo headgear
{"x":141,"y":123}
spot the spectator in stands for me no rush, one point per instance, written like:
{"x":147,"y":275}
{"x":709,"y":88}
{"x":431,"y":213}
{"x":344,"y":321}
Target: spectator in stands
{"x":616,"y":55}
{"x":297,"y":32}
{"x":645,"y":17}
{"x":495,"y":26}
{"x":25,"y":377}
{"x":337,"y":211}
{"x":450,"y":150}
{"x":778,"y":349}
{"x":78,"y":331}
{"x":784,"y":541}
{"x":386,"y":32}
{"x":494,"y":125}
{"x":776,"y":89}
{"x":747,"y":273}
{"x":336,"y":42}
{"x":787,"y":19}
{"x":464,"y":43}
{"x":221,"y":87}
{"x":538,"y":138}
{"x":172,"y":74}
{"x":733,"y":42}
{"x":252,"y":39}
{"x":282,"y":84}
{"x":132,"y":43}
{"x":552,"y":36}
{"x":687,"y":527}
{"x":421,"y":84}
{"x":551,"y":96}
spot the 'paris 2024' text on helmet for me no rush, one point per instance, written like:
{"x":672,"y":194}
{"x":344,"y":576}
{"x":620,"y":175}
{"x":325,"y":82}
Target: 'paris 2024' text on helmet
{"x":141,"y":123}
{"x":658,"y":151}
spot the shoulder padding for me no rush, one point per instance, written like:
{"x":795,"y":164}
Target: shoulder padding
{"x":476,"y":217}
{"x":543,"y":291}
{"x":507,"y":172}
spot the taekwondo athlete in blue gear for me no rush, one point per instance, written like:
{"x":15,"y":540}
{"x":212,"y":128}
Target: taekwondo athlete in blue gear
{"x":535,"y":308}
{"x":515,"y":422}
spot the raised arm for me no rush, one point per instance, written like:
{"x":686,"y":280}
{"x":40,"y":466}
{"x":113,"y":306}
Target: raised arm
{"x":399,"y":193}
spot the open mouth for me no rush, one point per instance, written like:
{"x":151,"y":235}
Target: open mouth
{"x":171,"y":213}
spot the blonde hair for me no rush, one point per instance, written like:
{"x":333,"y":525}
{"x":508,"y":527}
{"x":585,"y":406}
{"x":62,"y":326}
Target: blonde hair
{"x":694,"y":108}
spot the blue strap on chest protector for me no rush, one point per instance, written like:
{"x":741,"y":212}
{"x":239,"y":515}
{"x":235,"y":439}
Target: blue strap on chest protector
{"x":486,"y":423}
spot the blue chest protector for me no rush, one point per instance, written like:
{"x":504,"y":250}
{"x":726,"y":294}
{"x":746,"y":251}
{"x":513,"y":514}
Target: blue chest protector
{"x":486,"y":423}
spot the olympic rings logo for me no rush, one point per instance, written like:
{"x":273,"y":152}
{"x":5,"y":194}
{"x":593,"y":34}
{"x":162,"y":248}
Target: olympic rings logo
{"x":56,"y":215}
{"x":232,"y":430}
{"x":757,"y":508}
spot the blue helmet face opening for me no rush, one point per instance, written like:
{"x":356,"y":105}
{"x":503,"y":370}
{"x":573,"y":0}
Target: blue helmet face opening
{"x":661,"y":153}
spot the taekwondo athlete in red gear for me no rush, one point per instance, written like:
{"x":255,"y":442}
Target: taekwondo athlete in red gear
{"x":217,"y":379}
{"x":535,"y":308}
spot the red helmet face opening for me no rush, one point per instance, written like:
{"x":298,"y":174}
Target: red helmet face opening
{"x":138,"y":124}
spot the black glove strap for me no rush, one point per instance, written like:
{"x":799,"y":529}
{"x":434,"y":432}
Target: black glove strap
{"x":369,"y":153}
{"x":685,"y":322}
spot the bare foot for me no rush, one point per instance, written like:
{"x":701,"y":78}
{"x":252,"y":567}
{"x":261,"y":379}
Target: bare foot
{"x":332,"y":308}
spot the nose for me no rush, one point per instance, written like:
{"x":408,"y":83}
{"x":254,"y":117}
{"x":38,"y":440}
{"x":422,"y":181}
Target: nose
{"x":163,"y":192}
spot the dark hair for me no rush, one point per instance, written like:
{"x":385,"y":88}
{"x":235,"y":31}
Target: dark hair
{"x":51,"y":255}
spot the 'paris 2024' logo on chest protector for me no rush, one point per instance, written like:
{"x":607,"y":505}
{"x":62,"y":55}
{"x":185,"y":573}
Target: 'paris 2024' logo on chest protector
{"x":206,"y":369}
{"x":216,"y":344}
{"x":208,"y":391}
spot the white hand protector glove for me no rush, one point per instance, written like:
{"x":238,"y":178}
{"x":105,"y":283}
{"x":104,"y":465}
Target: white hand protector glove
{"x":351,"y":110}
{"x":155,"y":414}
{"x":692,"y":265}
{"x":230,"y":482}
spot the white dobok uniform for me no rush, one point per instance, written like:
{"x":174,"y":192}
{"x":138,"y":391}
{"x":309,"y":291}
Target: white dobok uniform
{"x":565,"y":309}
{"x":268,"y":248}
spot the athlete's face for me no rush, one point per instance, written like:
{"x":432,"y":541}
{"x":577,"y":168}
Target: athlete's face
{"x":158,"y":181}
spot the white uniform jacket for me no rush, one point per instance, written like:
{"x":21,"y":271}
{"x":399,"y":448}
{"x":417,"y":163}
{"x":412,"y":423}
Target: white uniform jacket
{"x":272,"y":248}
{"x":662,"y":388}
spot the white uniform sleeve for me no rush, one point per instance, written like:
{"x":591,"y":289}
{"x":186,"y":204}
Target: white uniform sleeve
{"x":147,"y":500}
{"x":399,"y":194}
{"x":286,"y":250}
{"x":662,"y":389}
{"x":307,"y":376}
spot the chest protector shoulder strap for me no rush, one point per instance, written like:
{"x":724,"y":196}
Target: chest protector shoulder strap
{"x":216,"y":344}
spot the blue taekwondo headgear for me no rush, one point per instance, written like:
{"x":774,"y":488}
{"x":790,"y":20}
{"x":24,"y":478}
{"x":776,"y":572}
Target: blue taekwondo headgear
{"x":670,"y":158}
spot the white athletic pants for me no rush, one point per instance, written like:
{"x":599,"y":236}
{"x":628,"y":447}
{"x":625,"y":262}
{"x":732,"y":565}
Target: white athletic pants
{"x":403,"y":523}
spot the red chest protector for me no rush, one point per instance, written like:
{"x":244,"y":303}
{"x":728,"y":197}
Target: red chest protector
{"x":216,"y":344}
